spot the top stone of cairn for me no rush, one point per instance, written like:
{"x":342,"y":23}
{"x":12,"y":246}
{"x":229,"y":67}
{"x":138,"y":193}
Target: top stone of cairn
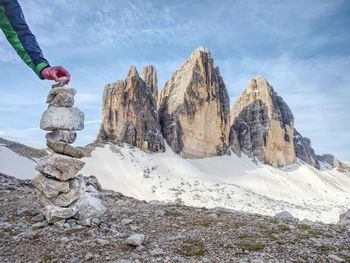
{"x":61,"y":82}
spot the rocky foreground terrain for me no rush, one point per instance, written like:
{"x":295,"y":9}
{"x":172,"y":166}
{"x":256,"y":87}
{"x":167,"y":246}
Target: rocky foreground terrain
{"x":164,"y":233}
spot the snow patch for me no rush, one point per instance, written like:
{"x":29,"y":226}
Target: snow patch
{"x":13,"y":164}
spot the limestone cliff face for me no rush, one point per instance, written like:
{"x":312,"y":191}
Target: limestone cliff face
{"x":263,"y":124}
{"x":130,"y":114}
{"x":149,"y":76}
{"x":304,"y":151}
{"x":194,"y":108}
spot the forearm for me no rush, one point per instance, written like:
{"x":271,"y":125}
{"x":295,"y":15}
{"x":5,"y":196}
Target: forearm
{"x":17,"y":32}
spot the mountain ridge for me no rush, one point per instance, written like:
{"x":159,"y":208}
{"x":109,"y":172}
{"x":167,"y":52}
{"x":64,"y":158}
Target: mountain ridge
{"x":194,"y":116}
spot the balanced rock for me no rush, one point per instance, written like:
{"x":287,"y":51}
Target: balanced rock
{"x":61,"y":97}
{"x":59,"y":166}
{"x":55,"y":213}
{"x":130,"y":115}
{"x":62,"y":118}
{"x":194,"y":108}
{"x":304,"y":151}
{"x":64,"y":148}
{"x":62,"y":136}
{"x":61,"y":82}
{"x":50,"y":187}
{"x":43,"y":200}
{"x":264,"y":124}
{"x":77,"y":187}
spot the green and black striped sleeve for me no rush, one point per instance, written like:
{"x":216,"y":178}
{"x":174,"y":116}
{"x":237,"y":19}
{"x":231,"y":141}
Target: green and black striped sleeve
{"x":17,"y":32}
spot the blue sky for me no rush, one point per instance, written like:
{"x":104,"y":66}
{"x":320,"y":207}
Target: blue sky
{"x":302,"y":47}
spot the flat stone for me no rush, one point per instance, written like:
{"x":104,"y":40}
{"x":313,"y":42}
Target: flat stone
{"x":62,"y":136}
{"x":135,"y":240}
{"x":43,"y":200}
{"x":59,"y":166}
{"x":64,"y":148}
{"x":61,"y":82}
{"x":62,"y":118}
{"x":54,"y":213}
{"x":77,"y":187}
{"x":61,"y":97}
{"x":48,"y":186}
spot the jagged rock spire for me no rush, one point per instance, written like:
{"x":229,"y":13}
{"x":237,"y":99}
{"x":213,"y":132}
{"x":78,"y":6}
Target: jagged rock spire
{"x":133,"y":72}
{"x":129,"y":114}
{"x":149,"y":76}
{"x":194,"y":108}
{"x":263,"y":124}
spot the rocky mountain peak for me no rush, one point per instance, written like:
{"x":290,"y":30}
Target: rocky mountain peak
{"x":129,"y":114}
{"x":133,"y":72}
{"x":200,"y":51}
{"x":262,"y":124}
{"x":258,"y":84}
{"x":194,"y":108}
{"x":149,"y":76}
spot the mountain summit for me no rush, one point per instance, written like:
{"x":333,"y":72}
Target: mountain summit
{"x":194,"y":108}
{"x":192,"y":115}
{"x":263,"y":124}
{"x":129,"y":112}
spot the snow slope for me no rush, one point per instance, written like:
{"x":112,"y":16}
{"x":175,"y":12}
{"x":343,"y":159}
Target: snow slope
{"x":225,"y":181}
{"x":16,"y":165}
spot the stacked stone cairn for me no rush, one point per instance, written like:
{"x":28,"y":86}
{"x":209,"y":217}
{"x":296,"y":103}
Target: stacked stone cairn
{"x":60,"y":187}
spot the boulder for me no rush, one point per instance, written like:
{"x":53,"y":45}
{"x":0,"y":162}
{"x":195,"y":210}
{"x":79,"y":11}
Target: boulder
{"x":304,"y":151}
{"x":43,"y":200}
{"x":89,"y":207}
{"x":129,"y":114}
{"x":59,"y":166}
{"x":62,"y":136}
{"x":194,"y":108}
{"x":264,"y":124}
{"x":135,"y":240}
{"x":64,"y":148}
{"x":61,"y":97}
{"x":54,"y":213}
{"x":62,"y":118}
{"x":285,"y":215}
{"x":50,"y":187}
{"x":77,"y":187}
{"x":344,"y":218}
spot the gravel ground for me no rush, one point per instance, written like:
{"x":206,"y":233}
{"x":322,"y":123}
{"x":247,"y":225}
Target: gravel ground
{"x":173,"y":233}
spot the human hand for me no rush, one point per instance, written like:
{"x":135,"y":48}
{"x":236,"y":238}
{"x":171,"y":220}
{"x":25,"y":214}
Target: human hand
{"x":54,"y":73}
